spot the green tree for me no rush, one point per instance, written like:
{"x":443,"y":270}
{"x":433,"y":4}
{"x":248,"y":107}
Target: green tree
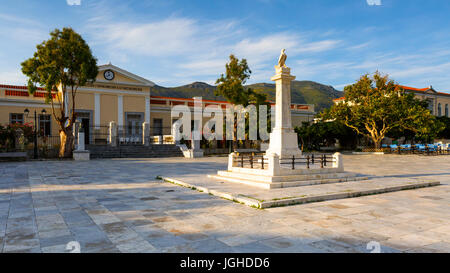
{"x":231,"y":87}
{"x":376,"y":105}
{"x":445,"y":133}
{"x":63,"y":63}
{"x":313,"y":136}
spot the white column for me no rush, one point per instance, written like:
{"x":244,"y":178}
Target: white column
{"x":112,"y":134}
{"x":80,"y":141}
{"x":231,"y":161}
{"x":283,"y":139}
{"x":147,"y":110}
{"x":97,"y":111}
{"x":145,"y":133}
{"x":76,"y":128}
{"x":120,"y":110}
{"x":283,"y":80}
{"x":274,"y":164}
{"x":198,"y":118}
{"x":338,"y":162}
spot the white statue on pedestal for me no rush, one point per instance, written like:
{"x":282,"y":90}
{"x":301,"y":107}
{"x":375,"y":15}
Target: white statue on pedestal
{"x":282,"y":58}
{"x":283,"y":139}
{"x":283,"y":165}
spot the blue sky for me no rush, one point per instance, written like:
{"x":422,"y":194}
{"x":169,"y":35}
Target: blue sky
{"x":177,"y":42}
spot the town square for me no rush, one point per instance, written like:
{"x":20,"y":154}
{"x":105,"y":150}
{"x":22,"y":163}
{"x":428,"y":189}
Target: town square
{"x":195,"y":135}
{"x":128,"y":210}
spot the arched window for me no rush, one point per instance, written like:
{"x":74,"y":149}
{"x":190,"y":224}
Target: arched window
{"x":446,"y":110}
{"x":439,"y":110}
{"x":431,"y":106}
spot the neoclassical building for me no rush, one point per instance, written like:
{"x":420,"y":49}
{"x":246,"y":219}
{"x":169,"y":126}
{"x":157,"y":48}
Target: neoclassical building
{"x":117,"y":95}
{"x":438,"y":102}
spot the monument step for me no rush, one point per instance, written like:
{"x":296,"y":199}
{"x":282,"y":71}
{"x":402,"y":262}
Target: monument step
{"x":284,"y":178}
{"x":287,"y":184}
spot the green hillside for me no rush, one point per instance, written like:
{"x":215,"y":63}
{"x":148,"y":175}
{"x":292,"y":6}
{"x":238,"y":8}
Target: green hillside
{"x":196,"y":89}
{"x":307,"y":92}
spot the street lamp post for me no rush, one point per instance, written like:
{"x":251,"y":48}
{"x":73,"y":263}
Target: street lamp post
{"x":27,"y":112}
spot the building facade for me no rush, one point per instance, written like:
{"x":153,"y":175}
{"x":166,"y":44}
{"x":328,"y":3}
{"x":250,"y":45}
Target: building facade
{"x":116,"y":96}
{"x":438,"y":102}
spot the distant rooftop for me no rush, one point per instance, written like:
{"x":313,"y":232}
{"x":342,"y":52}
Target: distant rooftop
{"x":414,"y":89}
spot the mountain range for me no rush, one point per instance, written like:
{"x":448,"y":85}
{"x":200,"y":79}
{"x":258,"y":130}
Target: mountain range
{"x":303,"y":92}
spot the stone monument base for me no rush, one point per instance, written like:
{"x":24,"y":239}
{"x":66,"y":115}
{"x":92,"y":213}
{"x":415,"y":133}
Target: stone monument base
{"x":81,"y":155}
{"x":284,"y":143}
{"x":281,"y":175}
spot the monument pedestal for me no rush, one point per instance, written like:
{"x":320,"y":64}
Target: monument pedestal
{"x":80,"y":153}
{"x":284,"y":143}
{"x":283,"y":165}
{"x":283,"y":139}
{"x":279,"y":173}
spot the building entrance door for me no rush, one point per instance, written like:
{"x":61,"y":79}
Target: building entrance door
{"x":134,"y":126}
{"x":85,"y":123}
{"x":157,"y":127}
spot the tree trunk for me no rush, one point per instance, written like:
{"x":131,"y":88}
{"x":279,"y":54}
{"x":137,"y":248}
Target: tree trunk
{"x":303,"y":143}
{"x":66,"y":148}
{"x":377,"y":143}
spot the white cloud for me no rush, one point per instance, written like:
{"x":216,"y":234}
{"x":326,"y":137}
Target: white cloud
{"x":266,"y":45}
{"x":359,"y":46}
{"x":202,"y":67}
{"x":269,"y":46}
{"x":408,"y":69}
{"x":12,"y":77}
{"x":374,"y":2}
{"x":173,"y":36}
{"x":73,"y":2}
{"x":187,"y":48}
{"x":179,"y":50}
{"x":23,"y":34}
{"x":318,"y":46}
{"x":260,"y":51}
{"x":19,"y":20}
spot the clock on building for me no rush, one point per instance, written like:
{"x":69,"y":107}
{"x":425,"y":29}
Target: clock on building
{"x":109,"y":75}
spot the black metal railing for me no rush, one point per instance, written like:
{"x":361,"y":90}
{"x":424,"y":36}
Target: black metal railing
{"x":98,"y":135}
{"x":49,"y":141}
{"x":322,"y":160}
{"x":258,"y":161}
{"x":250,"y":160}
